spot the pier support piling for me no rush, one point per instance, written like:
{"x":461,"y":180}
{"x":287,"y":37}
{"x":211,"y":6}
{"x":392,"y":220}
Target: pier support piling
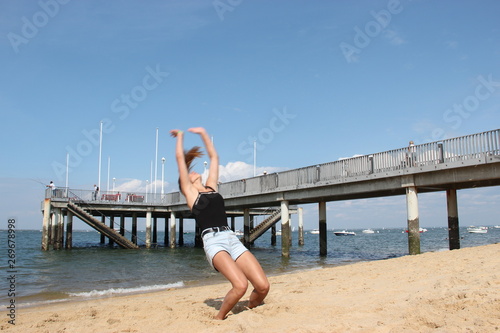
{"x":413,"y":220}
{"x":301,"y":227}
{"x":322,"y":228}
{"x":122,"y":224}
{"x":148,"y":229}
{"x":172,"y":230}
{"x":246,"y":226}
{"x":285,"y":229}
{"x":165,"y":240}
{"x":134,"y":228}
{"x":46,"y":225}
{"x":181,"y":231}
{"x":69,"y":230}
{"x":112,"y":226}
{"x":453,"y":225}
{"x":103,"y":220}
{"x":155,"y":230}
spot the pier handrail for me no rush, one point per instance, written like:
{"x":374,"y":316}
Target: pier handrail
{"x":410,"y":159}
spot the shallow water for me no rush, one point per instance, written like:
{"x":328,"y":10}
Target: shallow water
{"x":94,"y":270}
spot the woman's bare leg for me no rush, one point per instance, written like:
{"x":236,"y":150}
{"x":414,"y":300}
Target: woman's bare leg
{"x":255,"y":274}
{"x":227,"y":267}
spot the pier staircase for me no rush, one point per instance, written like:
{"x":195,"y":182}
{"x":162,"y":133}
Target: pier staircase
{"x":265,"y":225}
{"x":101,"y":227}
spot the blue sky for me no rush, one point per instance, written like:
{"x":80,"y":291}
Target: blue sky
{"x":310,"y":81}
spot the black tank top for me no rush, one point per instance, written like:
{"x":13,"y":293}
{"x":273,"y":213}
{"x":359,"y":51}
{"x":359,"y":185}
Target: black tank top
{"x":209,"y":210}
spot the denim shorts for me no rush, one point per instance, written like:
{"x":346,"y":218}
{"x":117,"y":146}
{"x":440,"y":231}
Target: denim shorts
{"x":214,"y":242}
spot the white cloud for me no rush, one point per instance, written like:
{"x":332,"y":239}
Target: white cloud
{"x":240,"y":170}
{"x":394,"y":37}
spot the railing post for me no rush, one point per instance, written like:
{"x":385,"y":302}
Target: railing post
{"x":440,"y":152}
{"x":370,"y":164}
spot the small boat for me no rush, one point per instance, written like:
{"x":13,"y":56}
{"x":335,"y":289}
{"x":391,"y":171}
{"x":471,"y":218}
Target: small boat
{"x":239,"y":233}
{"x":496,"y":226}
{"x":278,"y":233}
{"x":344,"y":233}
{"x":477,"y":230}
{"x":314,"y":231}
{"x":368,"y":231}
{"x":420,"y":230}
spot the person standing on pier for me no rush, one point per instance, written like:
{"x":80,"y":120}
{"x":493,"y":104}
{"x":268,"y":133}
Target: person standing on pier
{"x":224,"y":251}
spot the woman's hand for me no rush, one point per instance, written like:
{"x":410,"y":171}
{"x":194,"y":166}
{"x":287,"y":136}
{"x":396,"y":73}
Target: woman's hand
{"x":197,"y":130}
{"x":175,"y":132}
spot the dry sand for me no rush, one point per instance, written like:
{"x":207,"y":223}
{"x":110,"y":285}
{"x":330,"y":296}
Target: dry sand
{"x":450,"y":291}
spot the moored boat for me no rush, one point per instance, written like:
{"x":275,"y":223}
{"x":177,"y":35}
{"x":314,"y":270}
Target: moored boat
{"x":344,"y":233}
{"x":477,"y":230}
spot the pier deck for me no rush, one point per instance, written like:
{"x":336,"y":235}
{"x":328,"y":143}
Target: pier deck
{"x":449,"y":165}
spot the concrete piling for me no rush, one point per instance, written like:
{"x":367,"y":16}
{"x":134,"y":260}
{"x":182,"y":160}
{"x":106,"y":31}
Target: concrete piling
{"x":413,"y":220}
{"x":285,"y":229}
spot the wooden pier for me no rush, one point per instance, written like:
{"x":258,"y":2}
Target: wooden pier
{"x":449,"y":165}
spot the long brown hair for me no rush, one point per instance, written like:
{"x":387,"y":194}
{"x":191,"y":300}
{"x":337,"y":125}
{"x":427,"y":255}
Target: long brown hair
{"x":189,"y":157}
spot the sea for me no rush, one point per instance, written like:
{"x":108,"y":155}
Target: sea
{"x":92,"y":270}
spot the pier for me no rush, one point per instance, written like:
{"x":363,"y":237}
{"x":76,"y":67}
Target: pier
{"x":449,"y":165}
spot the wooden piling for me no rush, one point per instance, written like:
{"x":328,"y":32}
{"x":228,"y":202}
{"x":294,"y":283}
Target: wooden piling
{"x":453,"y":225}
{"x":322,"y":228}
{"x":155,"y":230}
{"x":69,"y":230}
{"x":122,"y":224}
{"x":103,"y":220}
{"x":134,"y":228}
{"x":112,"y":226}
{"x":246,"y":226}
{"x":273,"y":235}
{"x":181,"y":231}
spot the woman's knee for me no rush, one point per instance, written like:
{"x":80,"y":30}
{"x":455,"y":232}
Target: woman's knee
{"x":240,"y":287}
{"x":262,"y":288}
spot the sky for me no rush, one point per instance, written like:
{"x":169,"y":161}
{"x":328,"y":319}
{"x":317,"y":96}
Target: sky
{"x":308,"y":81}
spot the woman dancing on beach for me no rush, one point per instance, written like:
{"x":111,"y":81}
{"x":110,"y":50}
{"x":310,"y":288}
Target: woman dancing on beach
{"x":224,"y":251}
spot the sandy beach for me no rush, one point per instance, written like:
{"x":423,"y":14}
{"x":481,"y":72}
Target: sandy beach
{"x":449,"y":291}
